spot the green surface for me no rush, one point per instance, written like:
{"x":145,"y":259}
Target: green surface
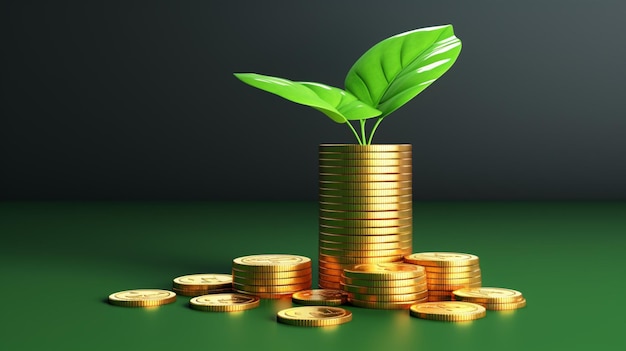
{"x":60,"y":261}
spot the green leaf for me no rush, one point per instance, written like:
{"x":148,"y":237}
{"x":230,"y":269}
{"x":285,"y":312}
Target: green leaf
{"x":398,"y":68}
{"x":335,"y":103}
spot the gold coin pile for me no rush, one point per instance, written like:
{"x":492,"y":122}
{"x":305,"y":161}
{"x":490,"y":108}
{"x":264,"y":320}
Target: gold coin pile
{"x":142,"y":298}
{"x":497,"y":299}
{"x":228,"y":302}
{"x":314,"y":316}
{"x":365,"y":207}
{"x":447,"y":271}
{"x":385,"y":285}
{"x":202,"y":284}
{"x":271,"y":276}
{"x":449,"y":311}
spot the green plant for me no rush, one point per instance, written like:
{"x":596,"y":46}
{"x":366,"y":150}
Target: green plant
{"x":383,"y":79}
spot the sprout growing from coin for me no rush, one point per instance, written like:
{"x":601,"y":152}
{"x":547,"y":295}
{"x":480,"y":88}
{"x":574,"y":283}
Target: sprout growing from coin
{"x":383,"y":79}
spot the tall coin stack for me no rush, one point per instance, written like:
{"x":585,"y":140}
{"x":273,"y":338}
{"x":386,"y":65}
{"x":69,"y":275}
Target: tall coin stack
{"x":365,"y":207}
{"x":271,"y":276}
{"x":447,"y":271}
{"x":385,"y":285}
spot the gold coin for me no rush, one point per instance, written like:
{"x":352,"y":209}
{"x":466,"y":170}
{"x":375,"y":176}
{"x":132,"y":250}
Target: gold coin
{"x":271,"y":282}
{"x":403,"y":290}
{"x":364,"y":192}
{"x":463,"y":275}
{"x":365,"y":185}
{"x":368,"y":162}
{"x":244,"y":274}
{"x":224,"y":302}
{"x":366,"y":215}
{"x":267,"y":295}
{"x":487,"y":295}
{"x":329,"y":270}
{"x":328,"y":285}
{"x":370,"y":148}
{"x":272,"y":289}
{"x":408,"y":297}
{"x":440,"y":292}
{"x":397,"y":283}
{"x":389,"y":177}
{"x":334,"y":245}
{"x":320,"y":297}
{"x":314,"y":316}
{"x":198,"y":292}
{"x":505,"y":306}
{"x":392,"y":155}
{"x":332,"y":266}
{"x":432,"y":298}
{"x":365,"y":223}
{"x":366,"y":239}
{"x":451,"y":311}
{"x":203,"y":281}
{"x":359,"y":260}
{"x":383,"y":271}
{"x":142,"y":298}
{"x":364,"y":253}
{"x":386,"y":305}
{"x":271,"y":263}
{"x":354,"y":231}
{"x":453,"y":287}
{"x":442,"y":259}
{"x":330,"y":278}
{"x":458,"y":281}
{"x":364,"y":200}
{"x":449,"y":270}
{"x":337,"y":206}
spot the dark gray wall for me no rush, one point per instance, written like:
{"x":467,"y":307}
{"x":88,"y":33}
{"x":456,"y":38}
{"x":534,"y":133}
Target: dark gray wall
{"x":136,"y":100}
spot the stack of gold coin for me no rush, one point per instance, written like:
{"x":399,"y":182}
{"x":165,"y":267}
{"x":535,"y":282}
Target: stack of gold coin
{"x":202,"y":284}
{"x":497,"y":299}
{"x":385,"y":285}
{"x":447,"y":271}
{"x":271,"y":276}
{"x":365,"y":207}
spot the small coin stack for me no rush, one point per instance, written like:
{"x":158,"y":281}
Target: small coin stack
{"x":385,"y":285}
{"x":202,"y":284}
{"x":365,"y":207}
{"x":497,"y":299}
{"x":271,"y":276}
{"x":447,"y":271}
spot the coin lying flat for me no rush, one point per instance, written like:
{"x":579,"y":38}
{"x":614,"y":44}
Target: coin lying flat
{"x":229,"y":302}
{"x":449,"y":311}
{"x":142,"y":298}
{"x":314,"y":316}
{"x":271,"y":263}
{"x":203,"y":281}
{"x":383,"y":271}
{"x":320,"y":297}
{"x":487,"y":295}
{"x":442,"y":259}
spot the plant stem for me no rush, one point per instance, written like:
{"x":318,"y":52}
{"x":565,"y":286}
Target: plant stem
{"x":374,"y":130}
{"x":355,"y":133}
{"x":362,"y":121}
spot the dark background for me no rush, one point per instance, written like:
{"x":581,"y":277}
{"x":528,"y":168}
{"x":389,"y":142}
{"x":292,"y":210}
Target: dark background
{"x":136,"y":100}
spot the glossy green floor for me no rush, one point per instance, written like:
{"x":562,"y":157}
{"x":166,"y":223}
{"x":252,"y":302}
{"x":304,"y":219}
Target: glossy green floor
{"x":60,"y":261}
